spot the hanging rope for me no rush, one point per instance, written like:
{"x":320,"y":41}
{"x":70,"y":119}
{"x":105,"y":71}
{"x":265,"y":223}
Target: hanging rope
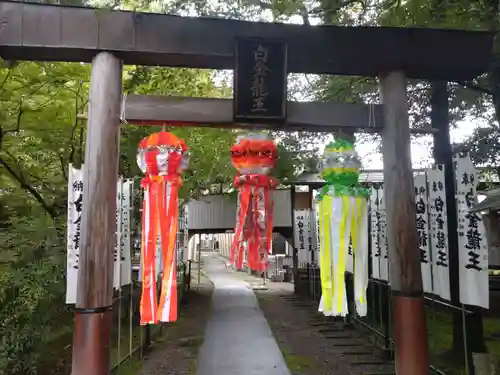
{"x":371,"y":116}
{"x":123,"y":116}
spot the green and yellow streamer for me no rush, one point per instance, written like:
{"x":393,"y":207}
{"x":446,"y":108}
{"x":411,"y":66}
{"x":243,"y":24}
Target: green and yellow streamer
{"x":343,"y":215}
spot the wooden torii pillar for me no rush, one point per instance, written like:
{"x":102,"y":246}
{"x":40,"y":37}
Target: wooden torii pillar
{"x":93,"y":310}
{"x":405,"y":273}
{"x":41,"y":32}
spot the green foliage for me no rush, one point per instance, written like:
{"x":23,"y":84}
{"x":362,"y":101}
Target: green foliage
{"x":297,"y":151}
{"x":474,"y":99}
{"x":32,"y":310}
{"x":339,"y":143}
{"x":39,"y":130}
{"x":483,"y":147}
{"x":209,"y":148}
{"x":452,"y":14}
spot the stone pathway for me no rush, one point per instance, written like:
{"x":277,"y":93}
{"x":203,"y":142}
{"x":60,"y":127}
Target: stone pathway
{"x":238,"y":340}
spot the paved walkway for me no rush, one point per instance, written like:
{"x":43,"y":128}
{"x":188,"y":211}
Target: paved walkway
{"x":238,"y":340}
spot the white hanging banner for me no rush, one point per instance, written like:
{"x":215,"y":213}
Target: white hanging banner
{"x":311,"y":257}
{"x":374,"y":237}
{"x":117,"y":250}
{"x":125,"y":238}
{"x":384,"y":256}
{"x":439,"y":232}
{"x":179,"y":240}
{"x":472,"y":244}
{"x":301,"y":234}
{"x":422,"y":222}
{"x":75,"y":206}
{"x":315,"y":230}
{"x":186,"y":232}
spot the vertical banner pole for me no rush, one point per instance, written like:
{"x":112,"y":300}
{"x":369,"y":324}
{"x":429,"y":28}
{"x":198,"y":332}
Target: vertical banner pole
{"x":443,"y":154}
{"x":91,"y":342}
{"x":405,"y":274}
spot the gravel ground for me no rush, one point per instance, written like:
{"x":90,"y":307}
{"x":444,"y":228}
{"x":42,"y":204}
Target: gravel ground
{"x":176,"y":352}
{"x":313,"y":345}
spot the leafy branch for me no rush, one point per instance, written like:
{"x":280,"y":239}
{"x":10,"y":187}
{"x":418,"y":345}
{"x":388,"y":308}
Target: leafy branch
{"x":30,"y":189}
{"x":475,"y":87}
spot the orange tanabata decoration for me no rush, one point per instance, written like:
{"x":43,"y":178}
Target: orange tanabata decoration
{"x":253,"y":156}
{"x":162,"y":157}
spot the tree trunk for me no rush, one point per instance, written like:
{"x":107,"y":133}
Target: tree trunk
{"x":494,"y":83}
{"x":491,"y":16}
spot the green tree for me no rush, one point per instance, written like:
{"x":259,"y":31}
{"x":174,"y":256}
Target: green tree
{"x":40,"y":133}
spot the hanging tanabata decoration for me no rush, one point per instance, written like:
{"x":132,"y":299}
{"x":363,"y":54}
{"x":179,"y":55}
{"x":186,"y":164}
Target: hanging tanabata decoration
{"x":343,"y":217}
{"x":253,"y":156}
{"x":162,"y":157}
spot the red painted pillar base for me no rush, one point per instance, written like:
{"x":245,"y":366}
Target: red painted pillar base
{"x":91,"y":343}
{"x":410,"y":335}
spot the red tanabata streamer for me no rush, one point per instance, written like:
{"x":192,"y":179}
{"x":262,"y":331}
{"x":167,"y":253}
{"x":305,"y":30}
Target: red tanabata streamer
{"x":162,"y":157}
{"x":253,"y":157}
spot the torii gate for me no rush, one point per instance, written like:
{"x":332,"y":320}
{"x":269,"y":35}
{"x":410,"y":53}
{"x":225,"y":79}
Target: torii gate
{"x":109,"y":39}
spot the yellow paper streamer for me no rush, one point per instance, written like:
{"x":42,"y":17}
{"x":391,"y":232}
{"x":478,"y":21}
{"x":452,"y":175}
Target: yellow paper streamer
{"x":339,"y":219}
{"x":340,"y":261}
{"x":361,"y":217}
{"x":325,"y":210}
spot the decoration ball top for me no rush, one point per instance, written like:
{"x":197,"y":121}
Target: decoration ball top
{"x":162,"y":154}
{"x":254,"y":154}
{"x":340,"y":157}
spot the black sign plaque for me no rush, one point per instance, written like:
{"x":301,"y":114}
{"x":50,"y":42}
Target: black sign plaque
{"x":260,"y":80}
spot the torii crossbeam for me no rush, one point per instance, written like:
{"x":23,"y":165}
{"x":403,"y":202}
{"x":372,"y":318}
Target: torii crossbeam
{"x":60,"y":33}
